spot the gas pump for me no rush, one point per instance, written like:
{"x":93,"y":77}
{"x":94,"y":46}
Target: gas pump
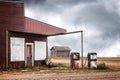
{"x":75,"y":60}
{"x":92,"y":59}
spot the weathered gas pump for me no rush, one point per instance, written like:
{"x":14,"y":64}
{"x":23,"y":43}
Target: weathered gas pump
{"x":75,"y":60}
{"x":92,"y":59}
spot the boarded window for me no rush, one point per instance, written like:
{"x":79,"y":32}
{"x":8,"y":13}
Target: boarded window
{"x":17,"y":49}
{"x":40,"y":50}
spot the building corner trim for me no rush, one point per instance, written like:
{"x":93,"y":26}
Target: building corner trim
{"x":7,"y":49}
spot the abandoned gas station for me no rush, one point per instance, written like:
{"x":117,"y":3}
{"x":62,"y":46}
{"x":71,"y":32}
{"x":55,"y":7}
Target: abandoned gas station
{"x":23,"y":41}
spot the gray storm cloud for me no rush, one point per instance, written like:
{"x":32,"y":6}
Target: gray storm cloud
{"x":99,"y":19}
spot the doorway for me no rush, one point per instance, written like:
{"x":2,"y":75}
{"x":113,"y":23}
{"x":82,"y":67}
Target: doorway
{"x":29,"y":55}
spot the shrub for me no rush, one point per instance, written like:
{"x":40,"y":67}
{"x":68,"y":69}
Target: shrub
{"x":101,"y":66}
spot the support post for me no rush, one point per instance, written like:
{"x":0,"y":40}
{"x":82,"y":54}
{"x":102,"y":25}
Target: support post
{"x":82,"y":49}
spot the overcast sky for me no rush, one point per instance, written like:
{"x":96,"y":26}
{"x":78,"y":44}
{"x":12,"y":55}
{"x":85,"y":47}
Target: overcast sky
{"x":99,"y":20}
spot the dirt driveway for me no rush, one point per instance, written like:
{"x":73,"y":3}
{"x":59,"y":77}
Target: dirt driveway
{"x":62,"y":76}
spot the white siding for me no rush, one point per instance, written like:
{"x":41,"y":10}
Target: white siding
{"x":17,"y":47}
{"x":40,"y":50}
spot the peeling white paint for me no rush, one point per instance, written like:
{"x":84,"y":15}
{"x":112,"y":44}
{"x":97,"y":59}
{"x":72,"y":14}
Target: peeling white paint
{"x":93,"y":64}
{"x":40,"y":50}
{"x":17,"y":47}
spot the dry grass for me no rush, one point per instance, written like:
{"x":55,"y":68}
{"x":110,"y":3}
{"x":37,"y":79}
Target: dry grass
{"x":111,"y":62}
{"x":62,"y":65}
{"x":66,"y":74}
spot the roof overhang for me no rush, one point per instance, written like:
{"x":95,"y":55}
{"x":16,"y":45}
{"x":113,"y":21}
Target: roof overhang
{"x":37,"y":27}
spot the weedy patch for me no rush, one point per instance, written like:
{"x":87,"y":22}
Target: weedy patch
{"x":58,"y":65}
{"x":102,"y":66}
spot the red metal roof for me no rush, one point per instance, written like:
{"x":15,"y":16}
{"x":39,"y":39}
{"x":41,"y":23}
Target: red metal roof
{"x":38,"y":27}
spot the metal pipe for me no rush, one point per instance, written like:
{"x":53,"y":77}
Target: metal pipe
{"x":82,"y":50}
{"x":65,"y":33}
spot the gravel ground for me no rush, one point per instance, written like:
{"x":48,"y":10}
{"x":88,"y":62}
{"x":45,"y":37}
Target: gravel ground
{"x":62,"y":76}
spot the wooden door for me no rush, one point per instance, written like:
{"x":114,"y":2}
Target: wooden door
{"x":29,"y":55}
